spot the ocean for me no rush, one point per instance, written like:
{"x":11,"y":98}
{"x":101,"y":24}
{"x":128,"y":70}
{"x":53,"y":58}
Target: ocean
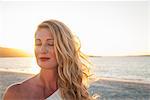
{"x":124,"y":68}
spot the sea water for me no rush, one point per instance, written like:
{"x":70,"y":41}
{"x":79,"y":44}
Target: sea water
{"x":130,"y":68}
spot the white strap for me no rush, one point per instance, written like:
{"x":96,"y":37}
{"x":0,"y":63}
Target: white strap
{"x":55,"y":96}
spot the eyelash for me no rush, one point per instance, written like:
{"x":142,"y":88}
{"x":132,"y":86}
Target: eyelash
{"x":41,"y":44}
{"x":51,"y":44}
{"x":37,"y":44}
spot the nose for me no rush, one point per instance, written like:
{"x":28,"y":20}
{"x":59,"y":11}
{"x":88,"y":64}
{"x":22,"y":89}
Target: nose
{"x":43,"y":49}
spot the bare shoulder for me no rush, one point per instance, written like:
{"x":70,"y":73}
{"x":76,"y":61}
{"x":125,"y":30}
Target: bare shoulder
{"x":19,"y":90}
{"x":12,"y":92}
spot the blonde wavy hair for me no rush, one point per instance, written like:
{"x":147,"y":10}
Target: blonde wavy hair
{"x":73,"y":69}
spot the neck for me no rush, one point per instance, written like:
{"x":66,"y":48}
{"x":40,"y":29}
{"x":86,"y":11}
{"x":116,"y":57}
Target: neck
{"x":49,"y":79}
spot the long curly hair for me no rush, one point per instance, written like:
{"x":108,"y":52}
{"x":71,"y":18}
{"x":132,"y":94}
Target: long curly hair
{"x":73,"y":68}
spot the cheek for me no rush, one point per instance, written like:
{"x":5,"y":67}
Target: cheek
{"x":36,"y":52}
{"x":53,"y":55}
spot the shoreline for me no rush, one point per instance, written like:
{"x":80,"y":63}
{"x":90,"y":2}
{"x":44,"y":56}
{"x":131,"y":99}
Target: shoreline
{"x":104,"y":88}
{"x":120,"y":80}
{"x":93,"y":78}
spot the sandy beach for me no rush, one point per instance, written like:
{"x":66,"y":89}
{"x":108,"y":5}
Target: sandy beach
{"x":100,"y":88}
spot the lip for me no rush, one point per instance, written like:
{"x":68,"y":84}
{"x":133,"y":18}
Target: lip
{"x":44,"y":58}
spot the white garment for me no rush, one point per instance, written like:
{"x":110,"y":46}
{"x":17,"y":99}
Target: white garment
{"x":55,"y":96}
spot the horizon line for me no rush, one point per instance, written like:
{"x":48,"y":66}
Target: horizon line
{"x":90,"y":55}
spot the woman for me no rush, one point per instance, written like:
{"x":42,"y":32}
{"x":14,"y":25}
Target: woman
{"x":63,"y":67}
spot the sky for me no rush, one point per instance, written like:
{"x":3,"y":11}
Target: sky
{"x":105,"y":28}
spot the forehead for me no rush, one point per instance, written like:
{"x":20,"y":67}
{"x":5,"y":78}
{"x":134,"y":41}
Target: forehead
{"x":43,"y":33}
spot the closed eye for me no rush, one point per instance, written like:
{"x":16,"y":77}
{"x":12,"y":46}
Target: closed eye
{"x":51,"y":44}
{"x":37,"y":44}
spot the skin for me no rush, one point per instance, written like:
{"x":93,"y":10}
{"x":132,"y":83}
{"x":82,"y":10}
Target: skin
{"x":44,"y":84}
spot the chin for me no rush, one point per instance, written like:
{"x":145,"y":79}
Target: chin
{"x":43,"y":66}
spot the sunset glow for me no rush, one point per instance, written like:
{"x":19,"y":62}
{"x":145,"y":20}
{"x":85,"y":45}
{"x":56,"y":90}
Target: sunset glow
{"x":104,"y":28}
